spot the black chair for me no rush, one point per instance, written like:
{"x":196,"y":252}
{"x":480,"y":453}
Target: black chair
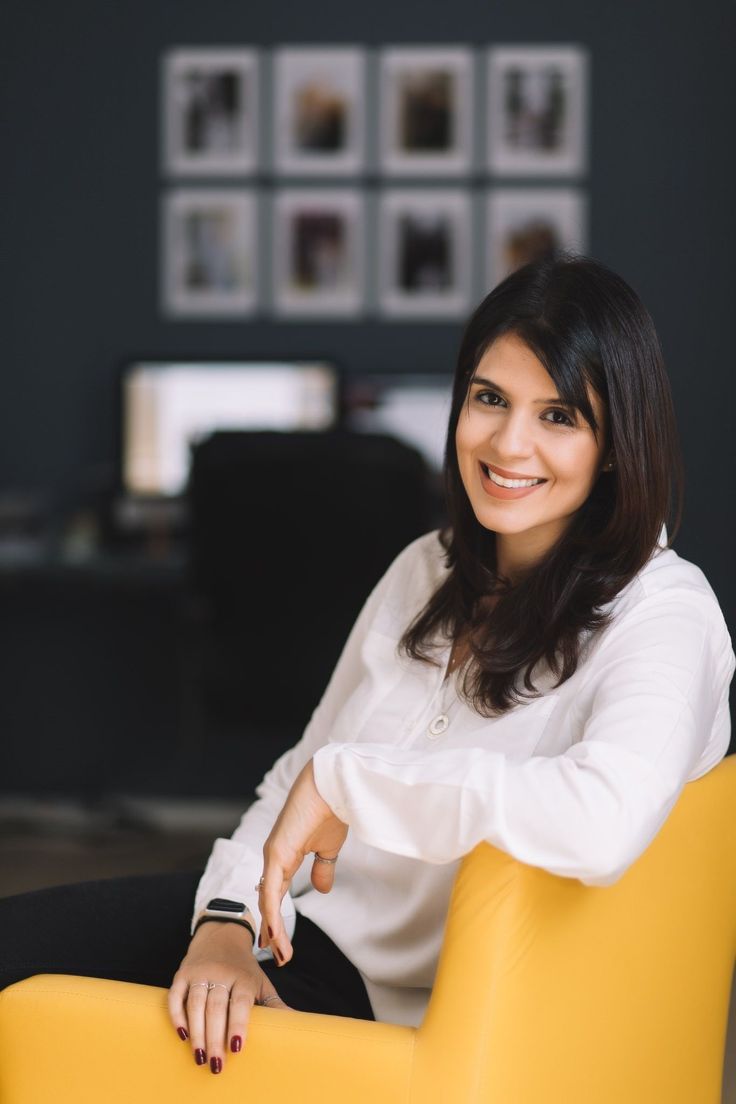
{"x":289,"y":533}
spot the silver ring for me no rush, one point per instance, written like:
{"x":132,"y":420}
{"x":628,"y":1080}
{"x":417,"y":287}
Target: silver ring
{"x":318,"y":858}
{"x":274,"y":997}
{"x":259,"y":883}
{"x":209,"y":984}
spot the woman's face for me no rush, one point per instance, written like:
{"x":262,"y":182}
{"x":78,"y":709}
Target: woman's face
{"x":512,"y":423}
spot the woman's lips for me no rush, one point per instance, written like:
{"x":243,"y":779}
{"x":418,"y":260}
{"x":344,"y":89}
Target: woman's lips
{"x":495,"y":491}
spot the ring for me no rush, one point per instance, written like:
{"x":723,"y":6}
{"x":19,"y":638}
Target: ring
{"x":318,"y":858}
{"x":209,"y":984}
{"x":275,"y":996}
{"x":259,"y":883}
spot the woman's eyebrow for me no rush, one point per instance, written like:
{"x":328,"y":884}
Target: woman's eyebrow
{"x":496,"y":387}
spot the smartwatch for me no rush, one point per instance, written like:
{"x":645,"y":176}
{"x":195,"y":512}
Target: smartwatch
{"x":223,"y":909}
{"x":223,"y":906}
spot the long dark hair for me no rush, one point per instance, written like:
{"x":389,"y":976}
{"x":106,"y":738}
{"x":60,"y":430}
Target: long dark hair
{"x":585,"y":324}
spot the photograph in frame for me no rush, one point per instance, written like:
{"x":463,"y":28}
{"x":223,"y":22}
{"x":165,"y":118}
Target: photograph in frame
{"x":319,"y":114}
{"x":424,"y":253}
{"x":426,"y":111}
{"x":210,"y":105}
{"x":537,"y":110}
{"x":319,"y":252}
{"x":209,"y":252}
{"x":527,"y":224}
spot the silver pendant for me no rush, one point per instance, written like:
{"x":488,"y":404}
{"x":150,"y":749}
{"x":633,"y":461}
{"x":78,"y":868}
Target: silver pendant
{"x":439,"y":724}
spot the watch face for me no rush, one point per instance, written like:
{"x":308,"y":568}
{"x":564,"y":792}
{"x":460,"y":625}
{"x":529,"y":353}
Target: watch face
{"x":223,"y":904}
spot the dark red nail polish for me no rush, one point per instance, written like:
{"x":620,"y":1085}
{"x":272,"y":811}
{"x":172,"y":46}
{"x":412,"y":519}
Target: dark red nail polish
{"x":200,"y":1057}
{"x":278,"y":954}
{"x":260,"y":940}
{"x":182,"y":1033}
{"x":235,"y":1044}
{"x":270,"y":933}
{"x":216,"y":1064}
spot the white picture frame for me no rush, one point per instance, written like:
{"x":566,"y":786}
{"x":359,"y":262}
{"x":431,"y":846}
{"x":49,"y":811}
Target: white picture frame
{"x":209,"y":252}
{"x":426,"y":110}
{"x":537,"y":110}
{"x":210,"y":112}
{"x":319,"y":110}
{"x":318,"y":260}
{"x":425,"y":255}
{"x":523,"y":224}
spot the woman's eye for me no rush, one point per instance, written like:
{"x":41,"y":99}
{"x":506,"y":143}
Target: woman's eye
{"x":568,"y":420}
{"x":482,"y":395}
{"x":487,"y":397}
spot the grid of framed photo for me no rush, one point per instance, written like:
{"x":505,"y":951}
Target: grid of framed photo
{"x":333,"y":181}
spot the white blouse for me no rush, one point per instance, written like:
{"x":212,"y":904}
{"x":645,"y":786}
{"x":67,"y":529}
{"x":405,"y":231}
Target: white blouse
{"x":577,"y":782}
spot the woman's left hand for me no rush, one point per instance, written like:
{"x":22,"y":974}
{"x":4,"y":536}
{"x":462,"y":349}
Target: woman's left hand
{"x":306,"y":823}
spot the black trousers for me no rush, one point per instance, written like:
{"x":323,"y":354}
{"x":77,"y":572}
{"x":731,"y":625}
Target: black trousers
{"x":136,"y":929}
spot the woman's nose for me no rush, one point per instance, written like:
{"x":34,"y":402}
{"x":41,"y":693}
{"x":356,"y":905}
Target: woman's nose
{"x":513,"y":436}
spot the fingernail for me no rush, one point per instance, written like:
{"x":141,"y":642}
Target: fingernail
{"x":278,"y":954}
{"x":270,"y":933}
{"x":200,"y":1057}
{"x":235,"y":1044}
{"x":260,"y":941}
{"x":215,"y":1064}
{"x":182,"y":1033}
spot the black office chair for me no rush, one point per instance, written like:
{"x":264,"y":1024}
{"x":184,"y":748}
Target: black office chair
{"x":289,"y":533}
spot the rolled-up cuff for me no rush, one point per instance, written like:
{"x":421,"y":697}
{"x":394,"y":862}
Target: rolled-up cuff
{"x":327,"y":778}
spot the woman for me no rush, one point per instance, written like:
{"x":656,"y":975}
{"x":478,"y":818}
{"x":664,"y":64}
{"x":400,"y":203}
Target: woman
{"x":546,"y":674}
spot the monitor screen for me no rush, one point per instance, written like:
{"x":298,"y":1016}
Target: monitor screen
{"x":167,"y":407}
{"x":415,"y":408}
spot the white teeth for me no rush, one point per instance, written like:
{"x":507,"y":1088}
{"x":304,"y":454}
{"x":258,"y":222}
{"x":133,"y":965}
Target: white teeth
{"x":510,"y":482}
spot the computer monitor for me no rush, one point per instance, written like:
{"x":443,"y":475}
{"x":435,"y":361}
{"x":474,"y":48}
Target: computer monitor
{"x":168,"y":406}
{"x":413,"y":407}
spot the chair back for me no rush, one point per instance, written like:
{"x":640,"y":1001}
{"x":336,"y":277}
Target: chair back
{"x":289,"y":533}
{"x":548,"y":989}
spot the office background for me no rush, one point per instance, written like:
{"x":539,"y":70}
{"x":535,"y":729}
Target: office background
{"x":80,"y":292}
{"x":80,"y":295}
{"x":82,"y":181}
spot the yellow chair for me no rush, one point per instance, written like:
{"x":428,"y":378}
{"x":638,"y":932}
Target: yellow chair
{"x":547,"y":992}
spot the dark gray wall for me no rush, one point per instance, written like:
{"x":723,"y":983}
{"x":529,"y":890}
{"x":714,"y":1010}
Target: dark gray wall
{"x":82,"y":184}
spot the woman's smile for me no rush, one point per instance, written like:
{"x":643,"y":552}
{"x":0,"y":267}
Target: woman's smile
{"x":497,"y":490}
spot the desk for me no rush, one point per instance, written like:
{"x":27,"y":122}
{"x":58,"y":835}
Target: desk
{"x":99,"y":689}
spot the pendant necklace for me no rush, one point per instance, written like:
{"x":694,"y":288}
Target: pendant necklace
{"x":440,"y":722}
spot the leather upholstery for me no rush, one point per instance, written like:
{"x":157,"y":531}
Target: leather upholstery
{"x":546,"y":991}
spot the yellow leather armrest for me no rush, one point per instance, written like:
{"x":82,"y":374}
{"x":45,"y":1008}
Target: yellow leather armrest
{"x":84,"y":1040}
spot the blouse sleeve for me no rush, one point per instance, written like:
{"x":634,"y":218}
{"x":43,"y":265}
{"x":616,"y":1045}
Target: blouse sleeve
{"x":660,"y":687}
{"x":235,"y":864}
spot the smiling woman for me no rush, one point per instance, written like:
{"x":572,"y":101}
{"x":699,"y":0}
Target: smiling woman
{"x":513,"y":445}
{"x":546,"y":674}
{"x":560,"y":378}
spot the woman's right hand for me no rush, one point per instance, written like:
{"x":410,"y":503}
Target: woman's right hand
{"x":213,"y":1017}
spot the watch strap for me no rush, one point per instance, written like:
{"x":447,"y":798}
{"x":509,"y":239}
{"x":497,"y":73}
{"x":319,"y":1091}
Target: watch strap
{"x":225,"y":920}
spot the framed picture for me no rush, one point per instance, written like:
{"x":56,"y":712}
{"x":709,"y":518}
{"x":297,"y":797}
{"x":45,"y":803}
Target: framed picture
{"x":537,"y":110}
{"x":426,"y":110}
{"x":209,"y":252}
{"x":319,"y":110}
{"x":210,"y":112}
{"x":425,"y":253}
{"x":318,"y":252}
{"x":526,"y":224}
